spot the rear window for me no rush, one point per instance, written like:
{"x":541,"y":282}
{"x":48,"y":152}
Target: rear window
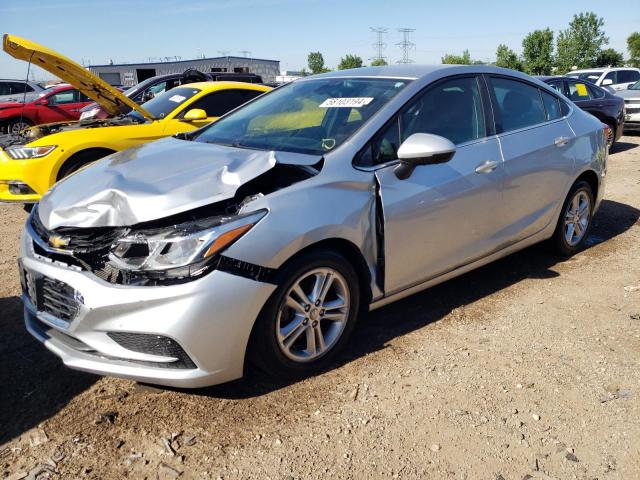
{"x":520,"y":105}
{"x":551,"y":106}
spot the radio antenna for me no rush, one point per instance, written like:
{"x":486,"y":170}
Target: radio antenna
{"x":24,"y":94}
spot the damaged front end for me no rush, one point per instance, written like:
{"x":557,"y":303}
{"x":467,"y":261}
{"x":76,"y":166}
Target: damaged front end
{"x":34,"y":133}
{"x":163,"y":251}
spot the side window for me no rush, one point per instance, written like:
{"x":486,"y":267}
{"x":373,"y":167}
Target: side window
{"x":451,"y":109}
{"x":628,"y":76}
{"x":384,"y":146}
{"x":17,"y":87}
{"x":611,"y":76}
{"x":557,"y":86}
{"x":61,"y":98}
{"x":595,"y":92}
{"x":218,"y":103}
{"x":4,"y":88}
{"x":551,"y":106}
{"x":519,"y":104}
{"x":578,"y":91}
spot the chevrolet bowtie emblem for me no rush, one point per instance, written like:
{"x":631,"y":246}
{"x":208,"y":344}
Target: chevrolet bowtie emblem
{"x":58,"y":241}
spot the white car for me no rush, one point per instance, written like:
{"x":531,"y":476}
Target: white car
{"x":618,"y":78}
{"x":631,"y":98}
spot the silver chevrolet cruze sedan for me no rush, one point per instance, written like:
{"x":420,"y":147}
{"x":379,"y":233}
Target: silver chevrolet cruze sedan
{"x":260,"y":238}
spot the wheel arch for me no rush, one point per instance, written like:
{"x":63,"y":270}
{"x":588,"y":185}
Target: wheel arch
{"x":591,"y":178}
{"x":83,"y":156}
{"x":352,"y":254}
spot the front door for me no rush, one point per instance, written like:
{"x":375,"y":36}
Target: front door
{"x":447,"y":215}
{"x":62,"y":107}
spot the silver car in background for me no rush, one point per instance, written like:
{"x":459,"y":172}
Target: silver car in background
{"x":260,"y":238}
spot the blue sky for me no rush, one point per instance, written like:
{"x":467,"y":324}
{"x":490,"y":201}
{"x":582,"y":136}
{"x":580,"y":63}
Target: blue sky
{"x":286,"y":30}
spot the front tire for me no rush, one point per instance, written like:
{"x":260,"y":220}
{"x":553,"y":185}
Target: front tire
{"x":574,"y":223}
{"x":309,"y":317}
{"x":15,"y":126}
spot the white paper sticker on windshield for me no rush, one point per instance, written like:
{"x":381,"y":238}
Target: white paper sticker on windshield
{"x":352,"y":102}
{"x":176,"y":98}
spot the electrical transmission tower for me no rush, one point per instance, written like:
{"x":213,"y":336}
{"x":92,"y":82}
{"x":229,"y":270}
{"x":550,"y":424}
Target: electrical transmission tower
{"x":406,"y":44}
{"x":224,"y":53}
{"x":245,"y":53}
{"x":379,"y":45}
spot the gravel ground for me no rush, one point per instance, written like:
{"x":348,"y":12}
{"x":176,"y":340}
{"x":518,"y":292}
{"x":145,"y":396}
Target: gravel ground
{"x":526,"y":368}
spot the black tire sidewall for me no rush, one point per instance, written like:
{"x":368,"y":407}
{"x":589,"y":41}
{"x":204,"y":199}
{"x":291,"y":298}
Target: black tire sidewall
{"x":560,"y":243}
{"x":264,"y":351}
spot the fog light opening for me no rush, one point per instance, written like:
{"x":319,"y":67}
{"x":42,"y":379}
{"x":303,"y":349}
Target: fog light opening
{"x":19,"y":188}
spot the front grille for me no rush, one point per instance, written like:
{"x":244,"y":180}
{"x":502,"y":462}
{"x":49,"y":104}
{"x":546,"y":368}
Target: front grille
{"x":154,"y":345}
{"x":50,"y":296}
{"x":80,"y":240}
{"x":633,"y":110}
{"x":58,"y":299}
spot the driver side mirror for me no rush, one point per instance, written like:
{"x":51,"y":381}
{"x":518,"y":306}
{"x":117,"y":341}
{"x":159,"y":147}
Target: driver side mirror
{"x":422,"y":149}
{"x":44,"y":102}
{"x":607,"y":81}
{"x":195,"y":114}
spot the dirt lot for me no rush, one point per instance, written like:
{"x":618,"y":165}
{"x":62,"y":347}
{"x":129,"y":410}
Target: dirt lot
{"x":527,"y":368}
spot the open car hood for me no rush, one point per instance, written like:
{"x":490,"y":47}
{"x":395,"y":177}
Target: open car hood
{"x":62,"y":67}
{"x":156,"y":180}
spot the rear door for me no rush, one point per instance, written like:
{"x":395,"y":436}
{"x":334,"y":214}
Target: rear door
{"x":537,"y":147}
{"x":443,"y":216}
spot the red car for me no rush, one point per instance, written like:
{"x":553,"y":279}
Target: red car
{"x":56,"y":104}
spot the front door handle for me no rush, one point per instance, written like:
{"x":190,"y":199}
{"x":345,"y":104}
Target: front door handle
{"x":561,"y":141}
{"x":487,"y":167}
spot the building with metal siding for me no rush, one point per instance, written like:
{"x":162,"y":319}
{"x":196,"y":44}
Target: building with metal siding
{"x":129,"y":74}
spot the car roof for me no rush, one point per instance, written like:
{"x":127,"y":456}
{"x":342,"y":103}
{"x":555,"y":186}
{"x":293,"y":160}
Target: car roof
{"x":212,"y":86}
{"x":413,"y":71}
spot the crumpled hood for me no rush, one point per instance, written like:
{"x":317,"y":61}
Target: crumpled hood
{"x":156,"y":180}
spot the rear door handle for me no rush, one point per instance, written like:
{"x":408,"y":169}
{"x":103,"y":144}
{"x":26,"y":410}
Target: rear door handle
{"x":561,"y":141}
{"x":487,"y":167}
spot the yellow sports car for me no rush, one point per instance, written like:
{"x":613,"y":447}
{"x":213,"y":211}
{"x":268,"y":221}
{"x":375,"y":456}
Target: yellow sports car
{"x":32,"y":161}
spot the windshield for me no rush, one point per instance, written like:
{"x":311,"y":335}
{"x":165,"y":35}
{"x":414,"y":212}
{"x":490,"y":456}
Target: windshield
{"x":586,"y":76}
{"x":313,"y":116}
{"x":165,"y":103}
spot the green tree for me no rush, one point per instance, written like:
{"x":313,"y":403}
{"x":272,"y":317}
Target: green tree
{"x":610,"y":58}
{"x":507,"y":58}
{"x":350,"y":61}
{"x":633,"y":44}
{"x":537,"y":52}
{"x":581,"y":43}
{"x":464,"y":59}
{"x":315,"y":60}
{"x":379,"y":62}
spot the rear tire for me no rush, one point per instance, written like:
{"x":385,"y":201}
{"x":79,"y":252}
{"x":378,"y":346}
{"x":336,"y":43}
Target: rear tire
{"x":612,"y":137}
{"x":309,"y":318}
{"x":574,"y":223}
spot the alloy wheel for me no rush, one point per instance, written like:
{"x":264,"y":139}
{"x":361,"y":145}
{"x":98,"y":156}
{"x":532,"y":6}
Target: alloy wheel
{"x":313,"y":314}
{"x":577,"y":218}
{"x":17,"y":127}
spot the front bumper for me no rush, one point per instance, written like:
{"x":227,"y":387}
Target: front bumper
{"x":35,"y":173}
{"x":210,"y":319}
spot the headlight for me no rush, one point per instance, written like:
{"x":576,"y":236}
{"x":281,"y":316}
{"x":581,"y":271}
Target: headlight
{"x":89,"y":113}
{"x":182,"y":250}
{"x":25,"y":153}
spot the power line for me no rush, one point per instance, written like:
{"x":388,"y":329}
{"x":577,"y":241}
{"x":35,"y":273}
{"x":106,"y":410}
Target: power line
{"x":379,"y":45}
{"x":406,"y":44}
